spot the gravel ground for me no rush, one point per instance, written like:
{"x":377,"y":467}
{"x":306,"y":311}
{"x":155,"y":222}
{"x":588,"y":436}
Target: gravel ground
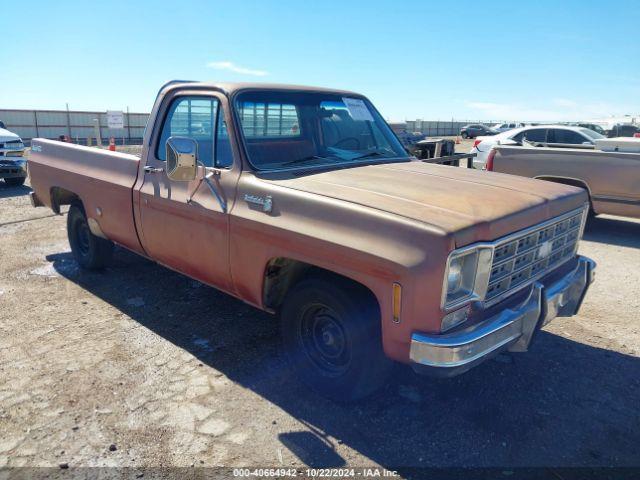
{"x":139,"y":366}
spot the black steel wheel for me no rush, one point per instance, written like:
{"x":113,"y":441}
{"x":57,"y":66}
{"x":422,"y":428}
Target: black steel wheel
{"x":91,"y":252}
{"x":331,"y":332}
{"x":325,"y":340}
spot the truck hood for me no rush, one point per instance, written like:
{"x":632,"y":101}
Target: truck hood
{"x":468,"y":205}
{"x":7,"y":136}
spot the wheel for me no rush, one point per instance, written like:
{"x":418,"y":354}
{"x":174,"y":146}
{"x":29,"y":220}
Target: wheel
{"x":331,"y":336}
{"x":90,"y":252}
{"x":464,"y":135}
{"x":15,"y":182}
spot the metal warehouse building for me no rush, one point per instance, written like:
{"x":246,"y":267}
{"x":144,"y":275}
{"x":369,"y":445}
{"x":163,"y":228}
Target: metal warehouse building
{"x":78,"y":125}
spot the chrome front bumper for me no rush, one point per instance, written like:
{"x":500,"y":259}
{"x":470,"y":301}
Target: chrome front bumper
{"x":12,"y":167}
{"x":512,"y":329}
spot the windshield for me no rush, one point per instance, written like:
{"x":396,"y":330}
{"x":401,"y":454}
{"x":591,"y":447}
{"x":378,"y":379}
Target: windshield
{"x":591,"y":134}
{"x":290,"y":129}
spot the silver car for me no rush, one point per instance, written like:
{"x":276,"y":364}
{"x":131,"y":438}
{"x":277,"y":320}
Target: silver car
{"x":557,"y":136}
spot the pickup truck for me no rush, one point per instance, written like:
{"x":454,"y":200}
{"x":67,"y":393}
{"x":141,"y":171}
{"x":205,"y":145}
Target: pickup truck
{"x":302,"y":202}
{"x":13,"y":168}
{"x":610,"y":175}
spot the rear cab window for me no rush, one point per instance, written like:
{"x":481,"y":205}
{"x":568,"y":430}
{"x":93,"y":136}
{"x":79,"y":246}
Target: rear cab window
{"x":269,"y":120}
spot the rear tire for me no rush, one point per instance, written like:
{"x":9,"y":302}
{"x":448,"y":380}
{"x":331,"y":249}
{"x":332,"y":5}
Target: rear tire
{"x":332,"y":337}
{"x":15,"y":182}
{"x":90,"y":252}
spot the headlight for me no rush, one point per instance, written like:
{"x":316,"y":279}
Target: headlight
{"x":455,"y":276}
{"x":467,"y":275}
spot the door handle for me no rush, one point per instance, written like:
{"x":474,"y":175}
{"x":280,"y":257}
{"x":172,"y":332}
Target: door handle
{"x":149,"y":169}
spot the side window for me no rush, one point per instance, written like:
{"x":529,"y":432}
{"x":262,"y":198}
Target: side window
{"x":273,"y":120}
{"x":536,"y":135}
{"x":192,"y":117}
{"x":566,"y":136}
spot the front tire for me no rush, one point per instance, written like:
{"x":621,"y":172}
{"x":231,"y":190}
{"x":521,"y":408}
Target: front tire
{"x":464,"y":135}
{"x":91,"y":252}
{"x":15,"y":182}
{"x":332,"y":337}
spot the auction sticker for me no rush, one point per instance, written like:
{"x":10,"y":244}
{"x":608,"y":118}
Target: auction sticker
{"x":358,"y":109}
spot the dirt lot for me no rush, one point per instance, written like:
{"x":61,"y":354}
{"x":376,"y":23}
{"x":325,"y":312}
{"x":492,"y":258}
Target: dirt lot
{"x":139,"y":366}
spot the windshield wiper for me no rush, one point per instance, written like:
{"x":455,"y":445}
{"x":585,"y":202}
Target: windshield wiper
{"x":307,"y":159}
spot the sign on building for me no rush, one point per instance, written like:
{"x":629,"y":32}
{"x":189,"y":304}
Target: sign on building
{"x":115,"y":119}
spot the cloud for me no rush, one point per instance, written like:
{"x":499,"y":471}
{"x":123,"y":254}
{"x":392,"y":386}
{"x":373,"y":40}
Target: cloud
{"x":565,"y":102}
{"x":232,"y":67}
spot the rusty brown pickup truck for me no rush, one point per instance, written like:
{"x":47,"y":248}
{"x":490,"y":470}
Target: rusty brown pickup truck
{"x":610,"y":174}
{"x":302,"y":202}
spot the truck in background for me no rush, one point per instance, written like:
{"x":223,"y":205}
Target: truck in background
{"x":610,"y":173}
{"x":13,"y":165}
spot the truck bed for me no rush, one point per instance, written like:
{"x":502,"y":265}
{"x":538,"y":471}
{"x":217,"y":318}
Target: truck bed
{"x":60,"y":172}
{"x":612,"y":178}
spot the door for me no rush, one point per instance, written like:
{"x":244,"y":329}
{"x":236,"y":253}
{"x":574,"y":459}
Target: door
{"x":190,"y":236}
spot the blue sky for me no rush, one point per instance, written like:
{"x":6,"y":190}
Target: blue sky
{"x":544,"y":60}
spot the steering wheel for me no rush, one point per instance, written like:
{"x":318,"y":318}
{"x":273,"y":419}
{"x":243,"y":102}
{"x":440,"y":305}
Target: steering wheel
{"x":348,"y":139}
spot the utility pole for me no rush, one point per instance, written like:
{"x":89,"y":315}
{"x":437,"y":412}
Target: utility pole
{"x":35,"y":123}
{"x":128,"y":125}
{"x":68,"y":122}
{"x":96,"y":127}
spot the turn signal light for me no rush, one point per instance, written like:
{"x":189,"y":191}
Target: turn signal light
{"x":397,"y":302}
{"x":476,"y":143}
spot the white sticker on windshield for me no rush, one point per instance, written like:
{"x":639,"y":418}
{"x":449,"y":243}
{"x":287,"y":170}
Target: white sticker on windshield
{"x":358,"y":109}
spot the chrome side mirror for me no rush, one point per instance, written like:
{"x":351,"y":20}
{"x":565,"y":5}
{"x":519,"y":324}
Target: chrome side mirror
{"x":182,"y":158}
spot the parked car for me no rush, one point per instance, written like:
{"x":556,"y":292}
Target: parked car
{"x":543,"y":136}
{"x":505,"y":127}
{"x":475,"y":130}
{"x":623,"y":130}
{"x":610,"y":174}
{"x":13,"y":165}
{"x":593,"y":126}
{"x":312,"y":208}
{"x":409,"y":139}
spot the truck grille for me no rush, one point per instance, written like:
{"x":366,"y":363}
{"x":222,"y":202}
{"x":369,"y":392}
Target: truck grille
{"x":521,"y":258}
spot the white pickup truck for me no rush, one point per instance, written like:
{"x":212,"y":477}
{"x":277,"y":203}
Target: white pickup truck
{"x":13,"y":166}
